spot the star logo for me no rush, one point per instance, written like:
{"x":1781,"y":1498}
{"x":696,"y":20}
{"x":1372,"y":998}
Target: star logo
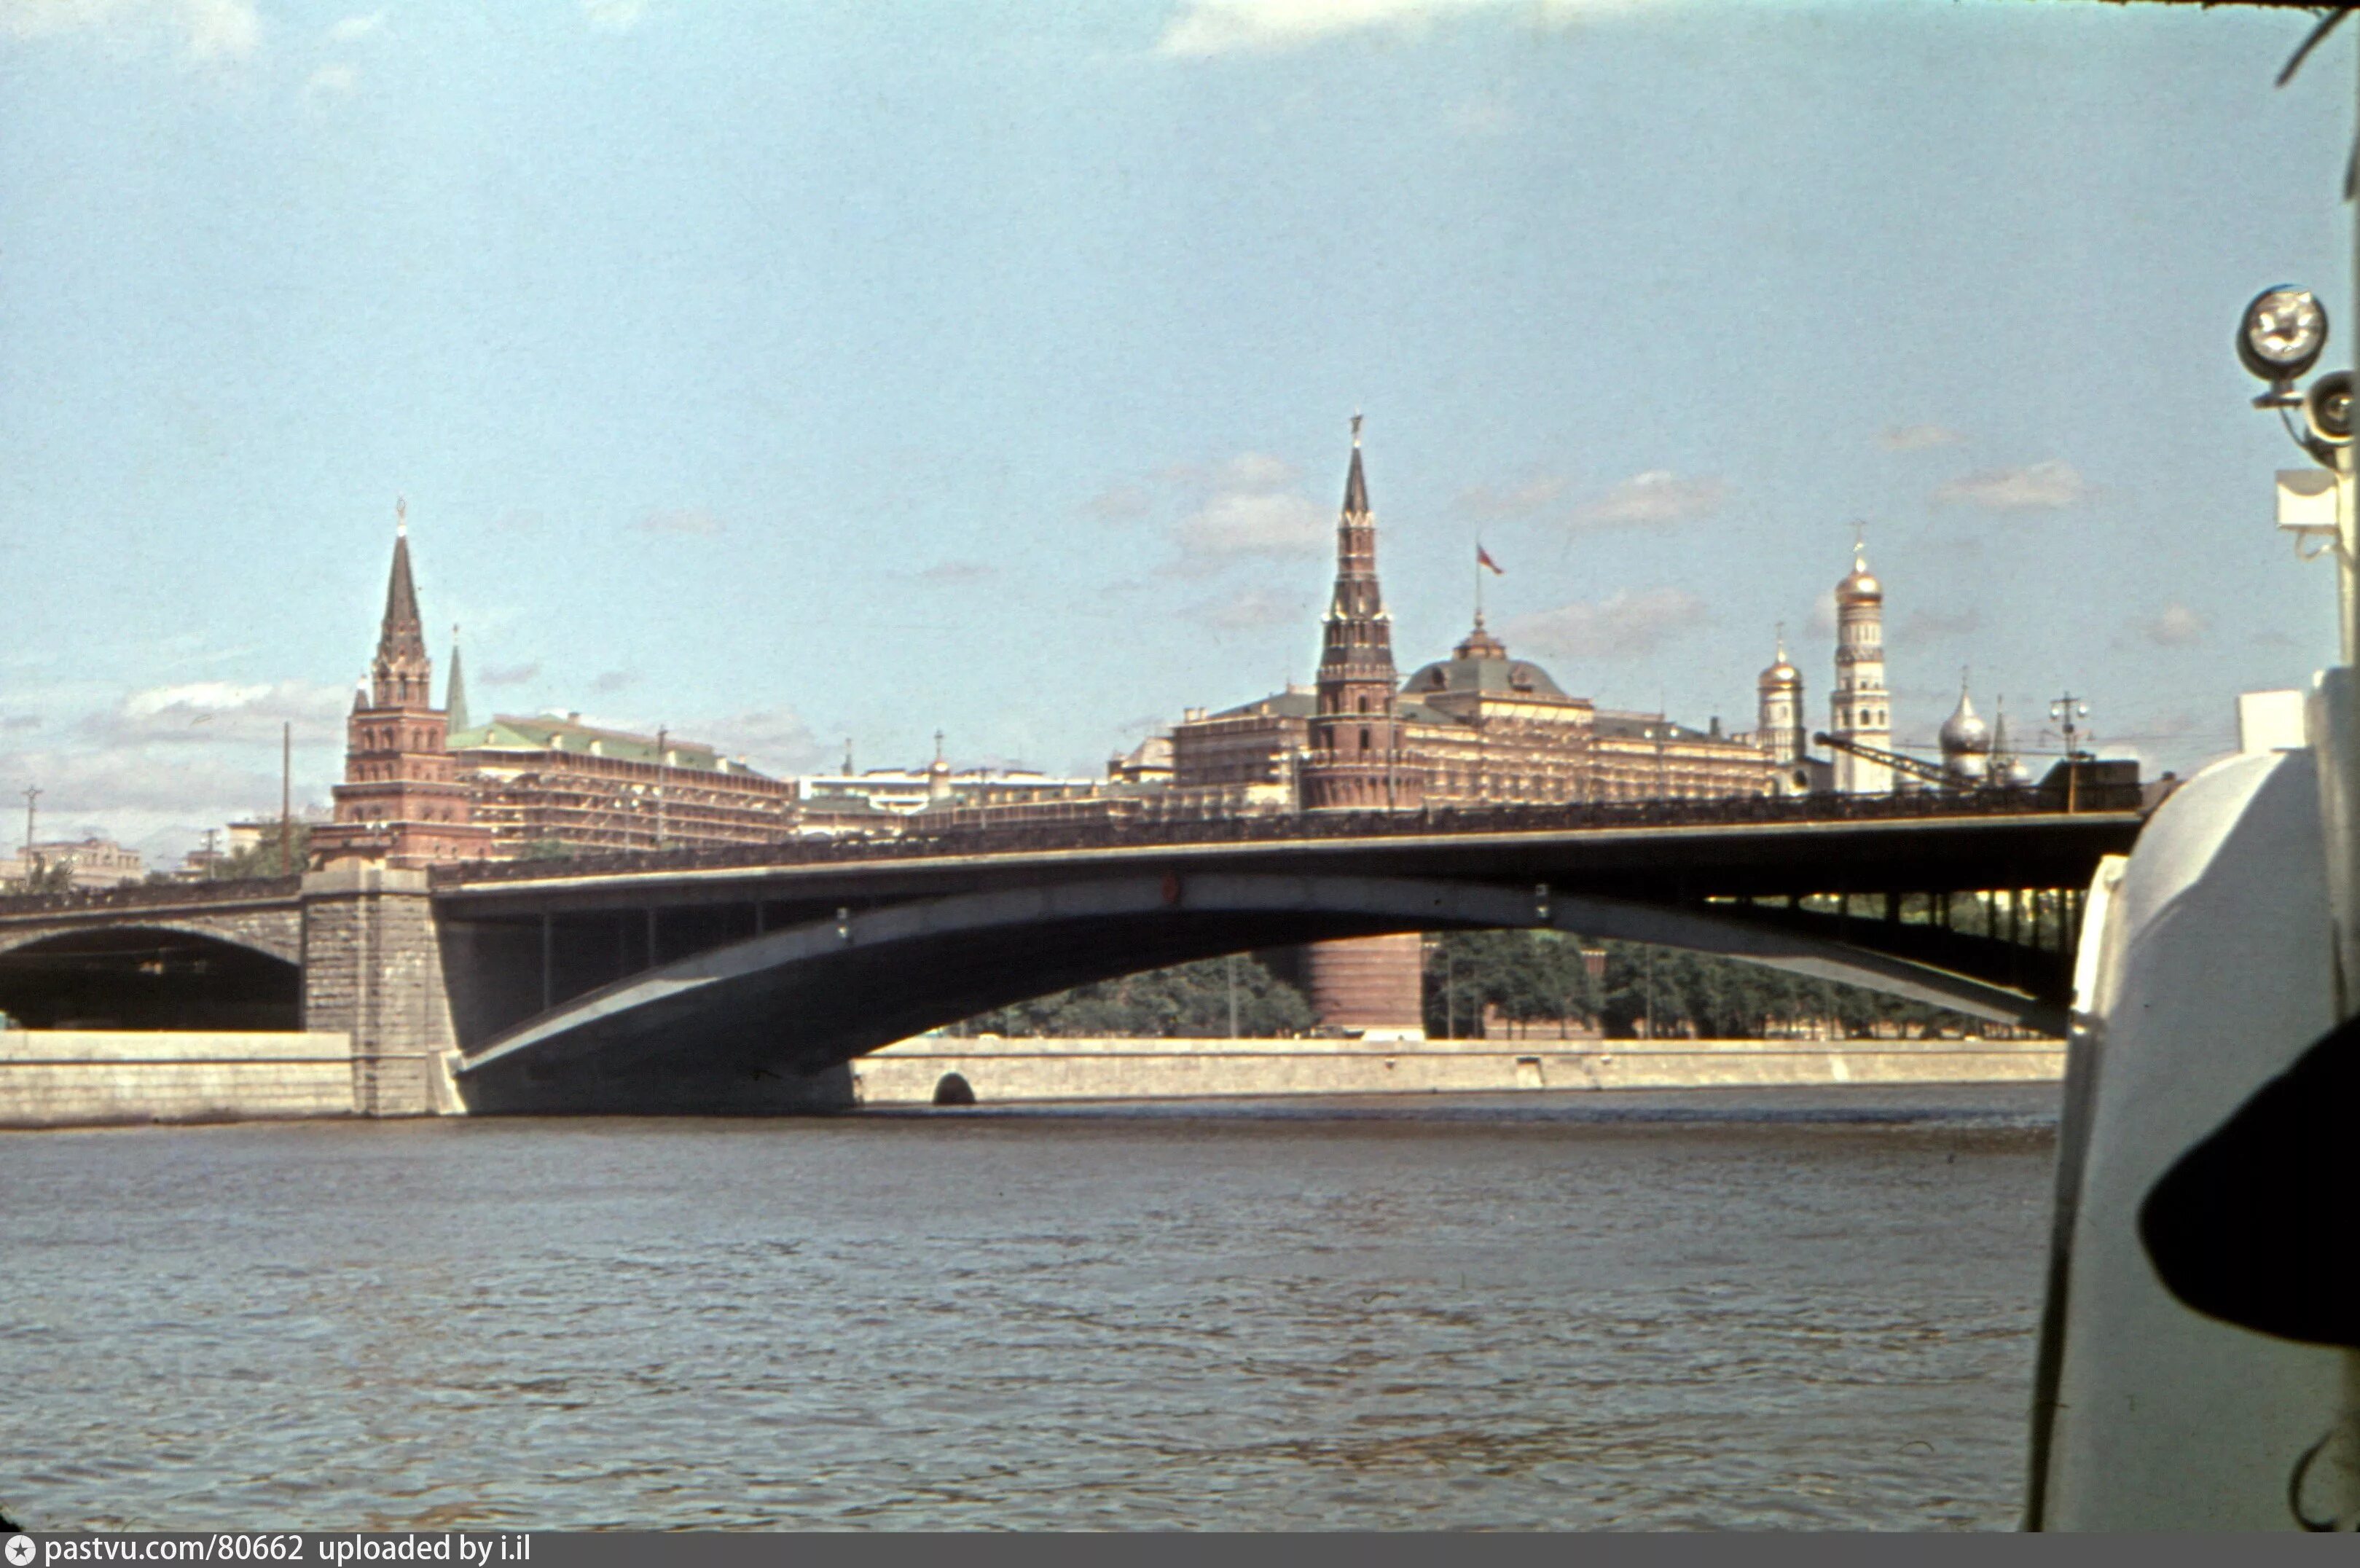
{"x":20,"y":1551}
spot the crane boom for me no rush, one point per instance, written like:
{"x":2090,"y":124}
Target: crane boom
{"x":1932,"y":772}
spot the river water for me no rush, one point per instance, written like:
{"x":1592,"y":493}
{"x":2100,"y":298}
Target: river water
{"x":1782,"y":1309}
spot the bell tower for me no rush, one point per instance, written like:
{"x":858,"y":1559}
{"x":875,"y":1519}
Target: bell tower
{"x":1860,"y":709}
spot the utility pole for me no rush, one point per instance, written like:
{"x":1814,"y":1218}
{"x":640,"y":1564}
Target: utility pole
{"x":2065,"y":710}
{"x":32,"y":793}
{"x":286,"y":798}
{"x":663,"y":735}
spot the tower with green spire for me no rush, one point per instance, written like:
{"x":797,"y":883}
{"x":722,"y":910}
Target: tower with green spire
{"x":454,"y":706}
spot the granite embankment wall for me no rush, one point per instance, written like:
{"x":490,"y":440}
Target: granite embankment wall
{"x":1000,"y":1071}
{"x":75,"y":1078}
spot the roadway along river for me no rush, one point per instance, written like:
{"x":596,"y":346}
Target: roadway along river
{"x":1798,"y":1308}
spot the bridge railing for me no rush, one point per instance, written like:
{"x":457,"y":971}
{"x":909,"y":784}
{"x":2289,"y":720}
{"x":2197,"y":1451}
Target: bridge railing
{"x":916,"y":840}
{"x":150,"y":895}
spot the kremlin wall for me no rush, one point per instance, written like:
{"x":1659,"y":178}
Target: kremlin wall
{"x":426,"y":784}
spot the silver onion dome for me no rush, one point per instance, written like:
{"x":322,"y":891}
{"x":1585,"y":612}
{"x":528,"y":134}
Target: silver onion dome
{"x":1964,"y":734}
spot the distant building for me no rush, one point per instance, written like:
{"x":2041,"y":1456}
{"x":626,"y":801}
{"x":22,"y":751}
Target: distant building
{"x":546,"y":781}
{"x":1149,"y":762}
{"x":1478,"y":728}
{"x":95,"y":862}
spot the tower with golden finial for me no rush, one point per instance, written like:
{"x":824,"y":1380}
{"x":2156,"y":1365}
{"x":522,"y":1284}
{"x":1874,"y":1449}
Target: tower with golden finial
{"x":1779,"y":724}
{"x":1860,"y":709}
{"x":1356,"y":759}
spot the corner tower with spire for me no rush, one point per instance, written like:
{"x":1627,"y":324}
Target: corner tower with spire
{"x":402,"y":801}
{"x":1357,"y":760}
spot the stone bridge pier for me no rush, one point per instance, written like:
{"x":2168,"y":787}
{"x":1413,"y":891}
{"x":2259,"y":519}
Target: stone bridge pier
{"x":372,"y":969}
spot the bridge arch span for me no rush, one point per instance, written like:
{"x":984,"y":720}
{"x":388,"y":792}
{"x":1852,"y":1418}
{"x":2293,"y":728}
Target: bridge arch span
{"x":281,"y":939}
{"x":808,"y":998}
{"x":162,"y":975}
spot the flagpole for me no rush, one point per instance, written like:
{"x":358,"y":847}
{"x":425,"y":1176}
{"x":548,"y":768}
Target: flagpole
{"x":1478,"y":582}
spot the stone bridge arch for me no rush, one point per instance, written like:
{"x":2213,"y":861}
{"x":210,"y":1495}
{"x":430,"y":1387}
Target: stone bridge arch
{"x":741,"y":1026}
{"x":142,"y":974}
{"x":273,"y":933}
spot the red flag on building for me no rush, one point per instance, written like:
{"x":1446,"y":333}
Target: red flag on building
{"x":1483,"y":558}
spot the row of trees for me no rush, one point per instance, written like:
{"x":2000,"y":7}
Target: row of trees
{"x":1540,"y":977}
{"x":265,"y":856}
{"x":1191,"y":1001}
{"x":1530,"y":977}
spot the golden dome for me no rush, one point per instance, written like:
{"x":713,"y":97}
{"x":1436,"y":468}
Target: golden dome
{"x":1861,"y":585}
{"x":1780,"y":673}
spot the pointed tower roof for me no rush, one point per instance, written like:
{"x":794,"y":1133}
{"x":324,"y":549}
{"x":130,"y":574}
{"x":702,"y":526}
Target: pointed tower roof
{"x":401,"y":674}
{"x":1356,"y":484}
{"x":456,"y":703}
{"x":401,"y":636}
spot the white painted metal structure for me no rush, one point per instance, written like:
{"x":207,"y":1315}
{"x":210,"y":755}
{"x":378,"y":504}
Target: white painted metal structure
{"x":2200,"y":978}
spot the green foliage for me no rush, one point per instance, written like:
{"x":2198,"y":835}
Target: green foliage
{"x":263,"y":858}
{"x":53,"y":876}
{"x":1191,"y":1001}
{"x":1540,"y":977}
{"x":547,"y":849}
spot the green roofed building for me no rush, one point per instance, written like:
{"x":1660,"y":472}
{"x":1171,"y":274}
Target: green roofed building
{"x":544,"y":781}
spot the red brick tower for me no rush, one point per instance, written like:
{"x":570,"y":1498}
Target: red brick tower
{"x":1357,"y":760}
{"x":402,"y":801}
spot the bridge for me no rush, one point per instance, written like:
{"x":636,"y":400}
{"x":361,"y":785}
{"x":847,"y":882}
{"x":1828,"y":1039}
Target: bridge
{"x":739,"y":980}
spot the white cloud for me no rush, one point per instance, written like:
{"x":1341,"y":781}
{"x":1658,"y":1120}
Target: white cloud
{"x":2176,"y":626}
{"x":1203,"y":28}
{"x":955,"y":573}
{"x":1253,"y":610}
{"x":1522,"y":500}
{"x":1236,"y":524}
{"x":1657,"y":498}
{"x":613,"y":16}
{"x":338,"y":79}
{"x":1482,"y":116}
{"x":775,"y":739}
{"x":615,"y":681}
{"x":681,"y":520}
{"x":206,"y":30}
{"x":509,"y":674}
{"x":1255,"y":471}
{"x":1823,"y":612}
{"x":1926,"y":626}
{"x":1918,"y":437}
{"x":1628,"y":624}
{"x":221,"y":29}
{"x":352,"y":29}
{"x":215,"y":712}
{"x":161,"y":765}
{"x":2040,"y":488}
{"x":1119,"y":503}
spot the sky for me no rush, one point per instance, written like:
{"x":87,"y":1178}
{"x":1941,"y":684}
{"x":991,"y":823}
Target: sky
{"x":787,"y":373}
